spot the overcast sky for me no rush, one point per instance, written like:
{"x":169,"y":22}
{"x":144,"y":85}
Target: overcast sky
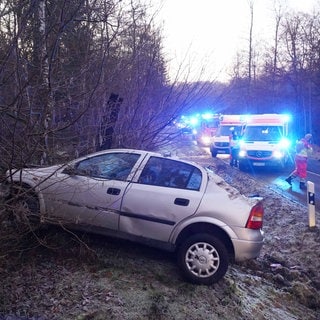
{"x":210,"y":32}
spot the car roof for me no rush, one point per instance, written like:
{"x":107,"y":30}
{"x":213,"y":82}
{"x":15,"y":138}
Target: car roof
{"x":127,"y":150}
{"x":130,"y":150}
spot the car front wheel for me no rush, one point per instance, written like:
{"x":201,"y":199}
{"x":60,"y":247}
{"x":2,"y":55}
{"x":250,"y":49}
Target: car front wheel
{"x":242,"y":166}
{"x":25,"y":207}
{"x":203,"y":259}
{"x":214,"y":153}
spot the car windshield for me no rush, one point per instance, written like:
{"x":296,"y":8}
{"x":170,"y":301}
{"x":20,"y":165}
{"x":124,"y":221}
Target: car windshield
{"x":108,"y":166}
{"x":211,"y":123}
{"x":263,"y":133}
{"x":226,"y":130}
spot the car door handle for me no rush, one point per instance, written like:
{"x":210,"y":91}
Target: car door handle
{"x":113,"y":191}
{"x":181,"y":202}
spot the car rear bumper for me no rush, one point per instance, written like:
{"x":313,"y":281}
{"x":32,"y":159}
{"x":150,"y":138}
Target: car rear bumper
{"x":244,"y":249}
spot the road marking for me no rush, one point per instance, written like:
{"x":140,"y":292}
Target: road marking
{"x":316,"y":174}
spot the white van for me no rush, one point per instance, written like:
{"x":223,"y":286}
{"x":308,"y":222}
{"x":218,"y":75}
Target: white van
{"x":221,"y":140}
{"x":265,"y":141}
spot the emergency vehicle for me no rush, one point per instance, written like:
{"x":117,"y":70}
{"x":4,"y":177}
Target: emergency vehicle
{"x":265,"y":141}
{"x":228,"y":124}
{"x":208,"y":127}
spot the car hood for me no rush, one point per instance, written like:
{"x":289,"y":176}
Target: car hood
{"x":32,"y":173}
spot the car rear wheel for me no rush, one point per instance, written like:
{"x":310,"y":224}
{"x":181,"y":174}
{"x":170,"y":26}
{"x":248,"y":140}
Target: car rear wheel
{"x":203,"y":259}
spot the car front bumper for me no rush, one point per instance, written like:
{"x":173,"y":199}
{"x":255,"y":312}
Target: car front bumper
{"x":4,"y":191}
{"x":261,"y":163}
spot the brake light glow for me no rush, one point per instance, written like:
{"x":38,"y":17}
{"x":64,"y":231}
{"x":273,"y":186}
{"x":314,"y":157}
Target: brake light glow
{"x":255,"y":219}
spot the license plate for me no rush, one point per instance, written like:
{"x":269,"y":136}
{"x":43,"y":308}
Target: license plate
{"x":259,"y":164}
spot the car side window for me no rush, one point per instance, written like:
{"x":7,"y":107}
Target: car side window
{"x":115,"y":166}
{"x":171,"y":173}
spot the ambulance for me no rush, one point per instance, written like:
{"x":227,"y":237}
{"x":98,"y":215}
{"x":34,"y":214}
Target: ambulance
{"x":265,"y":141}
{"x":228,"y":124}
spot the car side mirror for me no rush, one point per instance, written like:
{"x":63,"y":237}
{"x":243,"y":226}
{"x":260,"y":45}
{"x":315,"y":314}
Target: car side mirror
{"x":70,"y":170}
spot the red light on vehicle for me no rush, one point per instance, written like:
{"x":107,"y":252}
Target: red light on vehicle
{"x":255,"y":219}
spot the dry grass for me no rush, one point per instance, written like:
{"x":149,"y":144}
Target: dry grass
{"x":56,"y":274}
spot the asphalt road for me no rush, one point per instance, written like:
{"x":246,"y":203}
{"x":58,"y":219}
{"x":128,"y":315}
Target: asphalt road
{"x":275,"y":178}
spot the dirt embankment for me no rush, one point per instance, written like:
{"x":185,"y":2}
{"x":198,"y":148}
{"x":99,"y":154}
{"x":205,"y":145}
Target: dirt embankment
{"x":77,"y":276}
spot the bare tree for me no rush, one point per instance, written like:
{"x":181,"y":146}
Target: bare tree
{"x":83,"y":75}
{"x":278,"y":17}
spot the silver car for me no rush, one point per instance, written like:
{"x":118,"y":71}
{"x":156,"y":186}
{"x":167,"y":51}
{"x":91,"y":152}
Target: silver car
{"x":145,"y":197}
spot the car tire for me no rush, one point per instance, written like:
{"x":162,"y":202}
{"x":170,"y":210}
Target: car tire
{"x":25,"y":207}
{"x":203,"y":259}
{"x":242,"y":166}
{"x":214,"y":153}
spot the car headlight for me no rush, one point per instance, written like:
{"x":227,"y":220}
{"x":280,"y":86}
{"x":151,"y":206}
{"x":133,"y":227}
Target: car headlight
{"x":278,"y":154}
{"x":242,"y":153}
{"x":206,"y":139}
{"x":284,"y":143}
{"x":4,"y":190}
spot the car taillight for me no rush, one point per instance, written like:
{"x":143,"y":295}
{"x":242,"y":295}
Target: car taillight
{"x":256,"y":217}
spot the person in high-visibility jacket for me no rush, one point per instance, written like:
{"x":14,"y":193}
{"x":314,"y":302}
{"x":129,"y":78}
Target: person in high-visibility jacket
{"x":303,"y":149}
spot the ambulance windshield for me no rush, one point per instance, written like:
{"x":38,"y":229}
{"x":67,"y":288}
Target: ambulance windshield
{"x":263,"y":133}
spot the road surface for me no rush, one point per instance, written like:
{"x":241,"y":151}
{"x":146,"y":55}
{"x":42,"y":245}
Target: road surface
{"x":275,"y":178}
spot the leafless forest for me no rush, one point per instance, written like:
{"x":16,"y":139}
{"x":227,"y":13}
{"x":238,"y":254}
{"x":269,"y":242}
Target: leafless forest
{"x":86,"y":75}
{"x":79,"y":76}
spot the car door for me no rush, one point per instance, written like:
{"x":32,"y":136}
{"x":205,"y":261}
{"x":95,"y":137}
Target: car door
{"x":90,"y":193}
{"x":166,"y":192}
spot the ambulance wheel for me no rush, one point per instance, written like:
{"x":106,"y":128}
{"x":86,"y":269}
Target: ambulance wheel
{"x":214,"y":153}
{"x":242,"y":166}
